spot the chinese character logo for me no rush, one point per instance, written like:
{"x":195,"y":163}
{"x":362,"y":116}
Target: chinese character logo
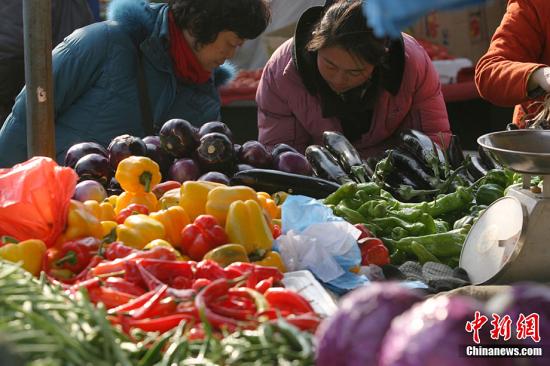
{"x":475,"y":325}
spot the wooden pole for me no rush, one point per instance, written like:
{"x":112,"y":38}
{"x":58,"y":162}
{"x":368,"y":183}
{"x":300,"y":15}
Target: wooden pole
{"x":37,"y":24}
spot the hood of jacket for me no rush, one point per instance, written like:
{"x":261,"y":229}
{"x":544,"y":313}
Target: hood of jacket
{"x":391,"y":74}
{"x":147,"y":24}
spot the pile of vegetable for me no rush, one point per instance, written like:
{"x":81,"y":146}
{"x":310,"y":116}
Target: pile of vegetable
{"x":41,"y":324}
{"x":184,"y":153}
{"x":387,"y":324}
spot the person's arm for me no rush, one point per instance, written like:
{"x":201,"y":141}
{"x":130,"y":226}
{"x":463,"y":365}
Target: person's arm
{"x":276,"y":120}
{"x":76,"y":67}
{"x":502,"y":74}
{"x":428,"y":111}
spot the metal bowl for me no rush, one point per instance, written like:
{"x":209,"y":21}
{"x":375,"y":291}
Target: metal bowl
{"x":523,"y":151}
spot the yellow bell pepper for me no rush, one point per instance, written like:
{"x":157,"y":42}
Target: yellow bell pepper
{"x":219,"y":199}
{"x":269,"y":205}
{"x":174,"y":220}
{"x":112,"y":200}
{"x":279,"y":197}
{"x":226,"y":254}
{"x":170,"y":198}
{"x":138,"y":230}
{"x":108,"y":233}
{"x":103,"y":211}
{"x":163,"y":243}
{"x":247,"y":225}
{"x":137,"y":174}
{"x":30,"y":252}
{"x":193,"y":197}
{"x":127,"y":198}
{"x":272,"y":259}
{"x":80,"y":223}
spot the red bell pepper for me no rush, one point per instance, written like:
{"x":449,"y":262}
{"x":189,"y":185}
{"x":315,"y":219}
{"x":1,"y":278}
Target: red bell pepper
{"x":75,"y":255}
{"x":201,"y":236}
{"x":287,"y":300}
{"x":133,"y":209}
{"x":373,"y":251}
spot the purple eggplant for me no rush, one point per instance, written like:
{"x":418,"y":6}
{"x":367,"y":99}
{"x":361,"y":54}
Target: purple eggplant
{"x":215,"y":177}
{"x":114,"y":187}
{"x":215,"y":153}
{"x":215,"y":126}
{"x":95,"y":167}
{"x":255,"y":153}
{"x":161,"y":157}
{"x":242,"y":167}
{"x":325,"y":165}
{"x":281,"y":148}
{"x":184,"y":169}
{"x":178,"y":137}
{"x":154,"y":140}
{"x":79,"y":150}
{"x":124,"y":146}
{"x":237,"y":148}
{"x":292,"y":162}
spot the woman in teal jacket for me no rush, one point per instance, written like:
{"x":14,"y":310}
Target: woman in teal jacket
{"x":182,"y":46}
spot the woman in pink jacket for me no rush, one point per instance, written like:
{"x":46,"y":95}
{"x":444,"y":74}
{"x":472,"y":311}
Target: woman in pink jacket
{"x":334,"y":75}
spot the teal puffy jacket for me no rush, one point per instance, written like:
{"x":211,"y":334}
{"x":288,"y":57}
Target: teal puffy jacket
{"x":95,"y":83}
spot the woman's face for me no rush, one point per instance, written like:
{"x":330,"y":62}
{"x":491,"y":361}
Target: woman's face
{"x":214,"y":54}
{"x":342,"y":70}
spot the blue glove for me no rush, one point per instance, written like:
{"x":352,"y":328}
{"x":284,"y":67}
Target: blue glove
{"x":389,"y":17}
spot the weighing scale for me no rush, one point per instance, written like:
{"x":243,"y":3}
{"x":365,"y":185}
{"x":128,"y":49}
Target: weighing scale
{"x":511,"y":240}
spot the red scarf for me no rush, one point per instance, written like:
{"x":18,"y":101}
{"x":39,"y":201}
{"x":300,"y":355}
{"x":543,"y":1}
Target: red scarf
{"x":185,"y":61}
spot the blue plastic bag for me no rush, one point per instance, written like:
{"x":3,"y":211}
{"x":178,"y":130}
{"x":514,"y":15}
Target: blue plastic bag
{"x":390,"y":17}
{"x":302,"y":222}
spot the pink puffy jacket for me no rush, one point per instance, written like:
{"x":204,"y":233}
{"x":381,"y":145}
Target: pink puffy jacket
{"x":288,"y":114}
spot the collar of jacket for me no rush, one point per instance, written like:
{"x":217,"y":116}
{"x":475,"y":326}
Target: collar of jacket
{"x":305,"y":62}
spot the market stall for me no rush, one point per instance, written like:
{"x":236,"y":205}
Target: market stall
{"x":173,"y":250}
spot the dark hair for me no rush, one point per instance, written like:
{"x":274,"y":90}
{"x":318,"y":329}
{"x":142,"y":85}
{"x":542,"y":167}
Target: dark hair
{"x":344,"y":25}
{"x":204,"y":19}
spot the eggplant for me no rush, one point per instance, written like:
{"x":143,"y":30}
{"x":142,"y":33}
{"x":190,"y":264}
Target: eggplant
{"x":455,"y":155}
{"x":476,"y":168}
{"x":255,"y":153}
{"x":216,"y":153}
{"x":346,"y":154}
{"x":410,"y":166}
{"x":325,"y":165}
{"x":215,"y":126}
{"x":79,"y":150}
{"x":114,"y":187}
{"x":183,"y":170}
{"x":89,"y":190}
{"x":216,"y":177}
{"x":292,"y":162}
{"x":95,"y":167}
{"x":178,"y":137}
{"x":124,"y":146}
{"x":281,"y":148}
{"x":487,"y":159}
{"x":272,"y":181}
{"x":424,"y":149}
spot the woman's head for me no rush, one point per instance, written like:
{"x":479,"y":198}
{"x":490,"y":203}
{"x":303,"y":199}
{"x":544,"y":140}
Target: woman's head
{"x":347,"y":50}
{"x":216,"y":28}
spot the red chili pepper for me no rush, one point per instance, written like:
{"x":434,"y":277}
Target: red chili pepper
{"x":109,"y":297}
{"x":95,"y":261}
{"x":162,"y":324}
{"x":75,"y":255}
{"x":167,"y":270}
{"x":261,"y":272}
{"x":133,"y":209}
{"x":210,"y":270}
{"x":263,"y":285}
{"x":133,"y":304}
{"x":117,"y":250}
{"x":196,"y":333}
{"x":306,"y":322}
{"x":145,"y":311}
{"x":373,"y":251}
{"x":217,"y":289}
{"x":122,"y":285}
{"x":118,"y":265}
{"x":200,"y":283}
{"x":201,"y":236}
{"x":284,"y":299}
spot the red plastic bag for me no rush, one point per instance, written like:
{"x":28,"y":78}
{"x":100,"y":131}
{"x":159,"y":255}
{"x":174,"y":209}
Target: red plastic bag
{"x":34,"y":199}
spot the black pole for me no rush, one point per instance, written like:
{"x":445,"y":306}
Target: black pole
{"x":38,"y":77}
